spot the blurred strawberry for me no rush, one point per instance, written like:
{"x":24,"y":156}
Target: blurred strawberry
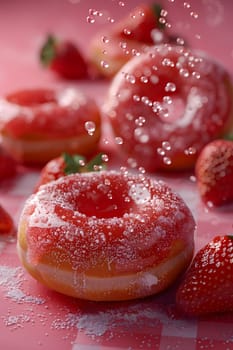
{"x":141,"y":23}
{"x":6,"y":222}
{"x":207,"y":285}
{"x":64,"y":58}
{"x":214,"y":172}
{"x":8,"y":166}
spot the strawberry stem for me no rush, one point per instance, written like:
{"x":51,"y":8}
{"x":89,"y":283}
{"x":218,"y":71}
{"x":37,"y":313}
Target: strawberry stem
{"x":157,"y":9}
{"x":47,"y":52}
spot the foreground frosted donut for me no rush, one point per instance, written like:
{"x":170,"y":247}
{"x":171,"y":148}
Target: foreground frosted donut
{"x":167,"y":104}
{"x":105,"y":236}
{"x":39,"y":124}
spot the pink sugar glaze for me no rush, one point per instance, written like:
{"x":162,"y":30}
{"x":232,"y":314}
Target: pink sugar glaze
{"x":47,"y":112}
{"x":125,"y":221}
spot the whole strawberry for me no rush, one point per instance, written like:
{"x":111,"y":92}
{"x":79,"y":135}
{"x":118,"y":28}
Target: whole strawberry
{"x":8,"y":166}
{"x":64,"y":58}
{"x":6,"y":222}
{"x":140,"y":23}
{"x":68,"y":164}
{"x":208,"y":284}
{"x":214,"y":172}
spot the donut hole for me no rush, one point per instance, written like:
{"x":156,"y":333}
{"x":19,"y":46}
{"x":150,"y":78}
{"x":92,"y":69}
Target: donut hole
{"x":173,"y":110}
{"x":31,"y":97}
{"x":104,"y":201}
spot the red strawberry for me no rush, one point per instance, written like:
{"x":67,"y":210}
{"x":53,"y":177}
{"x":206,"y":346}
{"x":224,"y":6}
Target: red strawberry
{"x":7,"y":166}
{"x":214,"y":172}
{"x":208,"y":284}
{"x":64,"y":58}
{"x":68,"y":164}
{"x":141,"y":22}
{"x":6,"y":222}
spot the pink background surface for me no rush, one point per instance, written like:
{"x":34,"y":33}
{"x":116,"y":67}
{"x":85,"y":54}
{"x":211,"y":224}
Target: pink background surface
{"x":31,"y":317}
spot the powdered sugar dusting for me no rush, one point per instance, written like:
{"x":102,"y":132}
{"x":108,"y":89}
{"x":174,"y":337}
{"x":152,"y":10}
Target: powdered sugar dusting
{"x":11,"y":280}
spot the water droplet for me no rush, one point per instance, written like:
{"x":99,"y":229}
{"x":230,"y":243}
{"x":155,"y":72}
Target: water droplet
{"x":180,"y":41}
{"x":168,"y":62}
{"x":160,"y":151}
{"x":105,"y":39}
{"x":104,"y":64}
{"x":111,"y":20}
{"x":121,"y":3}
{"x":136,"y":98}
{"x":146,"y":101}
{"x":127,"y":31}
{"x":140,"y":121}
{"x":162,"y":20}
{"x":130,"y":78}
{"x":166,"y":145}
{"x":167,"y":100}
{"x":167,"y":161}
{"x":184,"y":72}
{"x":118,"y":140}
{"x":163,"y":13}
{"x":132,"y":162}
{"x":194,"y":15}
{"x":140,"y":135}
{"x":123,"y":44}
{"x":196,"y":75}
{"x":90,"y":127}
{"x":104,"y":158}
{"x":90,"y":19}
{"x":170,"y":87}
{"x":187,"y":5}
{"x":193,"y":178}
{"x":190,"y":151}
{"x":81,"y":162}
{"x":144,"y":79}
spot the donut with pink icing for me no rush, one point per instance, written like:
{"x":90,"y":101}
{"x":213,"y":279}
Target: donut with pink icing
{"x":166,"y":104}
{"x":37,"y":125}
{"x":105,"y":235}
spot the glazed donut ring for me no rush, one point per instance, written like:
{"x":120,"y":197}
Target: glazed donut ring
{"x":167,"y":104}
{"x":105,"y":235}
{"x":39,"y":124}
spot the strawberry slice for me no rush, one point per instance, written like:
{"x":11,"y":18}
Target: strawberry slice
{"x":140,"y":23}
{"x":214,"y":172}
{"x":68,"y":164}
{"x":207,"y":285}
{"x":6,"y":222}
{"x":64,"y":58}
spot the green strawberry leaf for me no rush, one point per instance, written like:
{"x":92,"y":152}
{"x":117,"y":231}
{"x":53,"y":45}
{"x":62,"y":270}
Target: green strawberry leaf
{"x":77,"y":164}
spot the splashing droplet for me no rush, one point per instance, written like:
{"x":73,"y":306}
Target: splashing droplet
{"x":118,"y":140}
{"x":105,"y":39}
{"x":90,"y":19}
{"x":170,"y":87}
{"x":104,"y":64}
{"x":167,"y":161}
{"x":90,"y":127}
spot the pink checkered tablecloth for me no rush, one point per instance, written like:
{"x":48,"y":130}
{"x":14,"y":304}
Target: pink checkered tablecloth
{"x":33,"y":317}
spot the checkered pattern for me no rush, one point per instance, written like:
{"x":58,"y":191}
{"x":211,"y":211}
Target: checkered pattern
{"x":40,"y":318}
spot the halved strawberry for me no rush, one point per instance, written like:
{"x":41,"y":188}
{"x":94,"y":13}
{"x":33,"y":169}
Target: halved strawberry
{"x":208,"y":284}
{"x":64,"y":58}
{"x":6,"y":222}
{"x":214,"y":172}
